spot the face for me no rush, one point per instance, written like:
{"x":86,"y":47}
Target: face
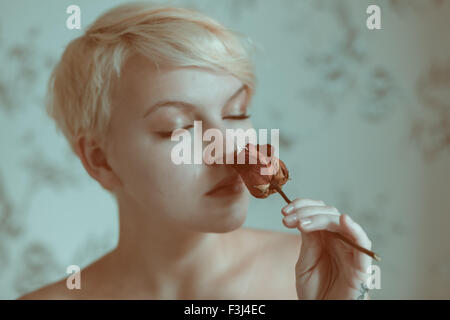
{"x":139,"y":143}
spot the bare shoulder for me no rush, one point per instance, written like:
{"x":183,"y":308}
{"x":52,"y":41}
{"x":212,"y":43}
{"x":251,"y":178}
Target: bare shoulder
{"x":92,"y":276}
{"x":276,"y":242}
{"x":54,"y":291}
{"x":279,"y":252}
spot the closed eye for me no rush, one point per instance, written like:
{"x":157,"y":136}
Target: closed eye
{"x":168,"y":134}
{"x":237,"y":117}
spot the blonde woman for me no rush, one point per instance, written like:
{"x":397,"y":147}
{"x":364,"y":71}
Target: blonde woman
{"x":138,"y":73}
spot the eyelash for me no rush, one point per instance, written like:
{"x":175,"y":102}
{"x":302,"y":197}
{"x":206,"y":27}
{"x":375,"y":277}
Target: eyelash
{"x":168,"y":134}
{"x":238,"y":117}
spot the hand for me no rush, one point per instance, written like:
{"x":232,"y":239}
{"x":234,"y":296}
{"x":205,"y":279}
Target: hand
{"x":327,"y":267}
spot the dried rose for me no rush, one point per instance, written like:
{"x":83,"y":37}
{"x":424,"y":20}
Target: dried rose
{"x":251,"y":162}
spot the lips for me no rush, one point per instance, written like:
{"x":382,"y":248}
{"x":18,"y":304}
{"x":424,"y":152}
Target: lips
{"x":228,"y":181}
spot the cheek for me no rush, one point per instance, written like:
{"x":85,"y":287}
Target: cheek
{"x":147,"y":171}
{"x":177,"y":185}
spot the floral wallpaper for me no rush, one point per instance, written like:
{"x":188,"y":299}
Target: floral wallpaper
{"x":364,"y":119}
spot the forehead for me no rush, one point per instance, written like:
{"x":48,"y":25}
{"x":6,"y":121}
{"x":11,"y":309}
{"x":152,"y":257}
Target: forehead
{"x":142,"y":82}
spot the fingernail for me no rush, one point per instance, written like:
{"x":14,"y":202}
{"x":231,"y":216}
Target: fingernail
{"x":305,"y":222}
{"x":288,"y":209}
{"x":291,"y":220}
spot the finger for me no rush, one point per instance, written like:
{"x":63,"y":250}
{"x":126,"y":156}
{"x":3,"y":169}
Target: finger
{"x":292,"y":219}
{"x":300,"y":202}
{"x":340,"y":224}
{"x":357,"y":233}
{"x":329,"y":222}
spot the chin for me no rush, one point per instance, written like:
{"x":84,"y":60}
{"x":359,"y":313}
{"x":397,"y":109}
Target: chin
{"x":227,"y":223}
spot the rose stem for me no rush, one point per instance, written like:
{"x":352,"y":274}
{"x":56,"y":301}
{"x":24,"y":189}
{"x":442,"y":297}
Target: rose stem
{"x":373,"y":255}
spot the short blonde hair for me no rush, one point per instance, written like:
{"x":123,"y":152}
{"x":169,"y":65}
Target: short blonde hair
{"x":78,"y":96}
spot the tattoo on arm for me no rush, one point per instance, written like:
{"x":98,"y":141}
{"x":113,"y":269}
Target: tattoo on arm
{"x":364,"y":289}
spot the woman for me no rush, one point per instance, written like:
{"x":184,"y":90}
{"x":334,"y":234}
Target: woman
{"x":140,"y":72}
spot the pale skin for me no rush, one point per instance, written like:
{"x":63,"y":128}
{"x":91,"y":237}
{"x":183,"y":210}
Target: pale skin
{"x":177,"y":243}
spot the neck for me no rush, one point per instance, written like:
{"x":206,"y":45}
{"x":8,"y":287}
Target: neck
{"x":167,"y":258}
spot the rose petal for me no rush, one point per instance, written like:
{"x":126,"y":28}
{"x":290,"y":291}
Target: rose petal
{"x":261,"y":157}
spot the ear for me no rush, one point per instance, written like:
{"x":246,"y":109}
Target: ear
{"x":95,"y":162}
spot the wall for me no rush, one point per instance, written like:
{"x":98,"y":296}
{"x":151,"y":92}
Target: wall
{"x":364,"y":119}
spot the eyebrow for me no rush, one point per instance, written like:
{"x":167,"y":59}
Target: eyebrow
{"x":186,"y":104}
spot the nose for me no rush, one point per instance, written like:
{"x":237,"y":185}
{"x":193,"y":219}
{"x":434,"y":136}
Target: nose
{"x":216,"y":151}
